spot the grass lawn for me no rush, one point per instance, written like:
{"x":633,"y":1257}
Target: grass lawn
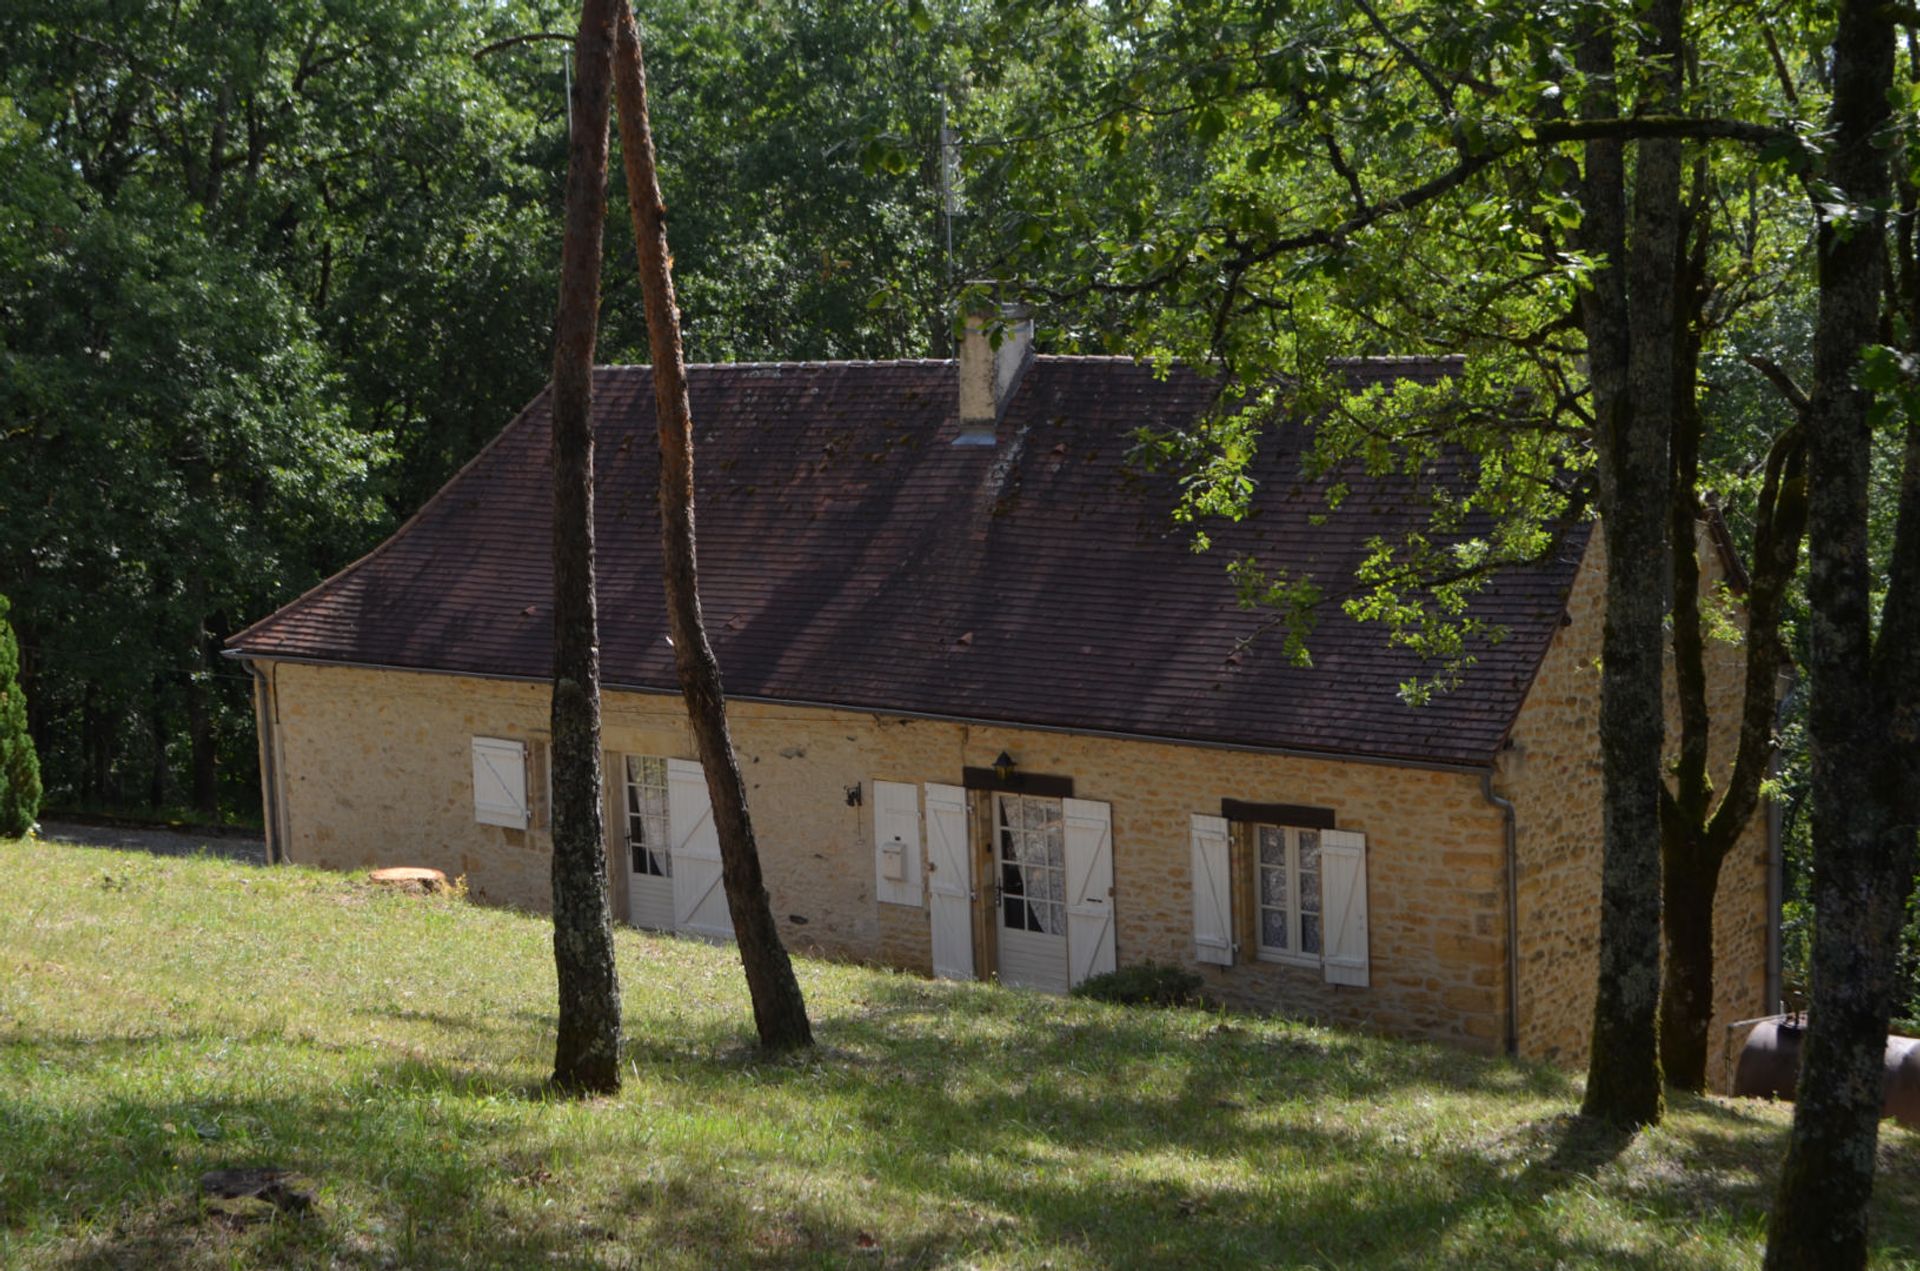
{"x":162,"y":1017}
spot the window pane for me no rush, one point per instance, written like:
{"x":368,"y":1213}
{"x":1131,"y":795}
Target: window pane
{"x":1057,"y":915}
{"x":1309,"y":933}
{"x":1273,"y":886}
{"x":1309,"y":849}
{"x":1273,"y":846}
{"x":1012,"y":881}
{"x":1273,"y":928}
{"x":1014,"y":912}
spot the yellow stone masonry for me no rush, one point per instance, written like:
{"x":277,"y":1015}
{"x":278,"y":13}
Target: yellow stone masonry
{"x":1551,"y":772}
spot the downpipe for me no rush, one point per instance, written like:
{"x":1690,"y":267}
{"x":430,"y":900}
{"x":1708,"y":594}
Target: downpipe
{"x":1513,"y":909}
{"x":269,"y":761}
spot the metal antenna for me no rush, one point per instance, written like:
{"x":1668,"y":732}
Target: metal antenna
{"x":949,"y":178}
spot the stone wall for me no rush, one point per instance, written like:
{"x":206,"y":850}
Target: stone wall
{"x":1551,"y":772}
{"x":376,"y":770}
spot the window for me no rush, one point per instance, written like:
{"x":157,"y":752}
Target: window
{"x":500,"y":782}
{"x":1032,"y":854}
{"x":1287,"y":877}
{"x":647,"y":837}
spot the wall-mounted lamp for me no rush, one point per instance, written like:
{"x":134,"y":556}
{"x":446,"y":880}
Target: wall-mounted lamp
{"x":853,"y":795}
{"x":1003,"y":767}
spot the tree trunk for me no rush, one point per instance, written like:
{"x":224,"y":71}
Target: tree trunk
{"x":587,"y":1051}
{"x":1696,"y":834}
{"x":1690,"y":879}
{"x":1630,"y":335}
{"x":779,"y":1010}
{"x":203,"y":750}
{"x":157,"y":739}
{"x":1861,"y":745}
{"x":90,"y":777}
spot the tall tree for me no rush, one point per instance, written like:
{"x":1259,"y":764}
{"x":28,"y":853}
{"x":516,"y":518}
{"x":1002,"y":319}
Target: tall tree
{"x":1699,"y":823}
{"x":1864,"y":712}
{"x":587,"y":1052}
{"x":1630,"y":312}
{"x":779,"y":1010}
{"x":1271,"y":198}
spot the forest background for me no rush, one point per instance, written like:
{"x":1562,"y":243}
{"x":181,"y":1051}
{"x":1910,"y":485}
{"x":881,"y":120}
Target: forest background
{"x":271,"y":272}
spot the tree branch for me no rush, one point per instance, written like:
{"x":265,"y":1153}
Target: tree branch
{"x":1776,"y":376}
{"x":512,"y":40}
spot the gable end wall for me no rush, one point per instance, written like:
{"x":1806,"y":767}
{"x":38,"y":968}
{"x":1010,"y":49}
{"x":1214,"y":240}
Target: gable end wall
{"x":1551,"y":771}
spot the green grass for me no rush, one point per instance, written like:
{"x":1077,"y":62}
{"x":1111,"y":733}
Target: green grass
{"x":161,"y":1017}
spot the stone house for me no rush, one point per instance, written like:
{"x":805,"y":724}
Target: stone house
{"x":997,"y":718}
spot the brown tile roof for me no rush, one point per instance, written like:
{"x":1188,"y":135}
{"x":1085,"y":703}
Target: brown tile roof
{"x":849,"y":554}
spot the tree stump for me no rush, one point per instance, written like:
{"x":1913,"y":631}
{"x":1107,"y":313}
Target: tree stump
{"x":410,"y":878}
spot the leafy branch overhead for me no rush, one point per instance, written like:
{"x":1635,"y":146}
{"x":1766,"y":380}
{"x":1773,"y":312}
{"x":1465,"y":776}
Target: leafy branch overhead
{"x":1274,"y":198}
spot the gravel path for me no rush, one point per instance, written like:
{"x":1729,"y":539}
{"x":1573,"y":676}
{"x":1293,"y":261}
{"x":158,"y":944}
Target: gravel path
{"x":160,"y":842}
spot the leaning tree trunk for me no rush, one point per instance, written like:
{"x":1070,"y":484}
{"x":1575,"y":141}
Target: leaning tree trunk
{"x":1629,"y":315}
{"x":1861,"y":708}
{"x":587,"y":1051}
{"x":779,"y":1010}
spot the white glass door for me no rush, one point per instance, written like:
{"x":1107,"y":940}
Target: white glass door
{"x":649,"y":850}
{"x":1030,"y":863}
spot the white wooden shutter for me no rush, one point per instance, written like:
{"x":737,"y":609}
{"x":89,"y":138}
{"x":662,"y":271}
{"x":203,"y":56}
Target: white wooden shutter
{"x":896,"y":843}
{"x":699,"y":899}
{"x":1089,"y":859}
{"x":950,"y":882}
{"x":500,"y":782}
{"x":1343,"y":904}
{"x":1212,"y":890}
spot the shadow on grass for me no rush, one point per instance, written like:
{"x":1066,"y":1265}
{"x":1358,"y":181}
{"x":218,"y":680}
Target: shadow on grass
{"x":976,"y":1122}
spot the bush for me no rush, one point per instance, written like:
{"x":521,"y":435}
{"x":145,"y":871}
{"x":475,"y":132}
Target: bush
{"x":1144,"y":984}
{"x":19,"y":766}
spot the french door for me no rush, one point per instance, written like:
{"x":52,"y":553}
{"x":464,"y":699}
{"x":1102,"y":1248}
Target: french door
{"x":1030,"y":874}
{"x":649,"y":844}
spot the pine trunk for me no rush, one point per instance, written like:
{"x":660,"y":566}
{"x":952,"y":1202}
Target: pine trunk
{"x":1862,"y":852}
{"x":587,"y":1051}
{"x":779,"y":1010}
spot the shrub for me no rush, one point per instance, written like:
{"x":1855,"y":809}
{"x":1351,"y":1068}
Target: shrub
{"x":19,"y":766}
{"x":1144,"y":984}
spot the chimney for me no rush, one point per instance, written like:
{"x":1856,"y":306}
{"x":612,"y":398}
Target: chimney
{"x":988,"y":375}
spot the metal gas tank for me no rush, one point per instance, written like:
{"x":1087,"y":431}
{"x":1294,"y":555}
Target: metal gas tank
{"x":1769,"y":1065}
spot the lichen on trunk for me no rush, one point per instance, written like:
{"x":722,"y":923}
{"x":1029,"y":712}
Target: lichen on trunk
{"x":1863,"y":724}
{"x":1629,"y":313}
{"x":587,"y":1047}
